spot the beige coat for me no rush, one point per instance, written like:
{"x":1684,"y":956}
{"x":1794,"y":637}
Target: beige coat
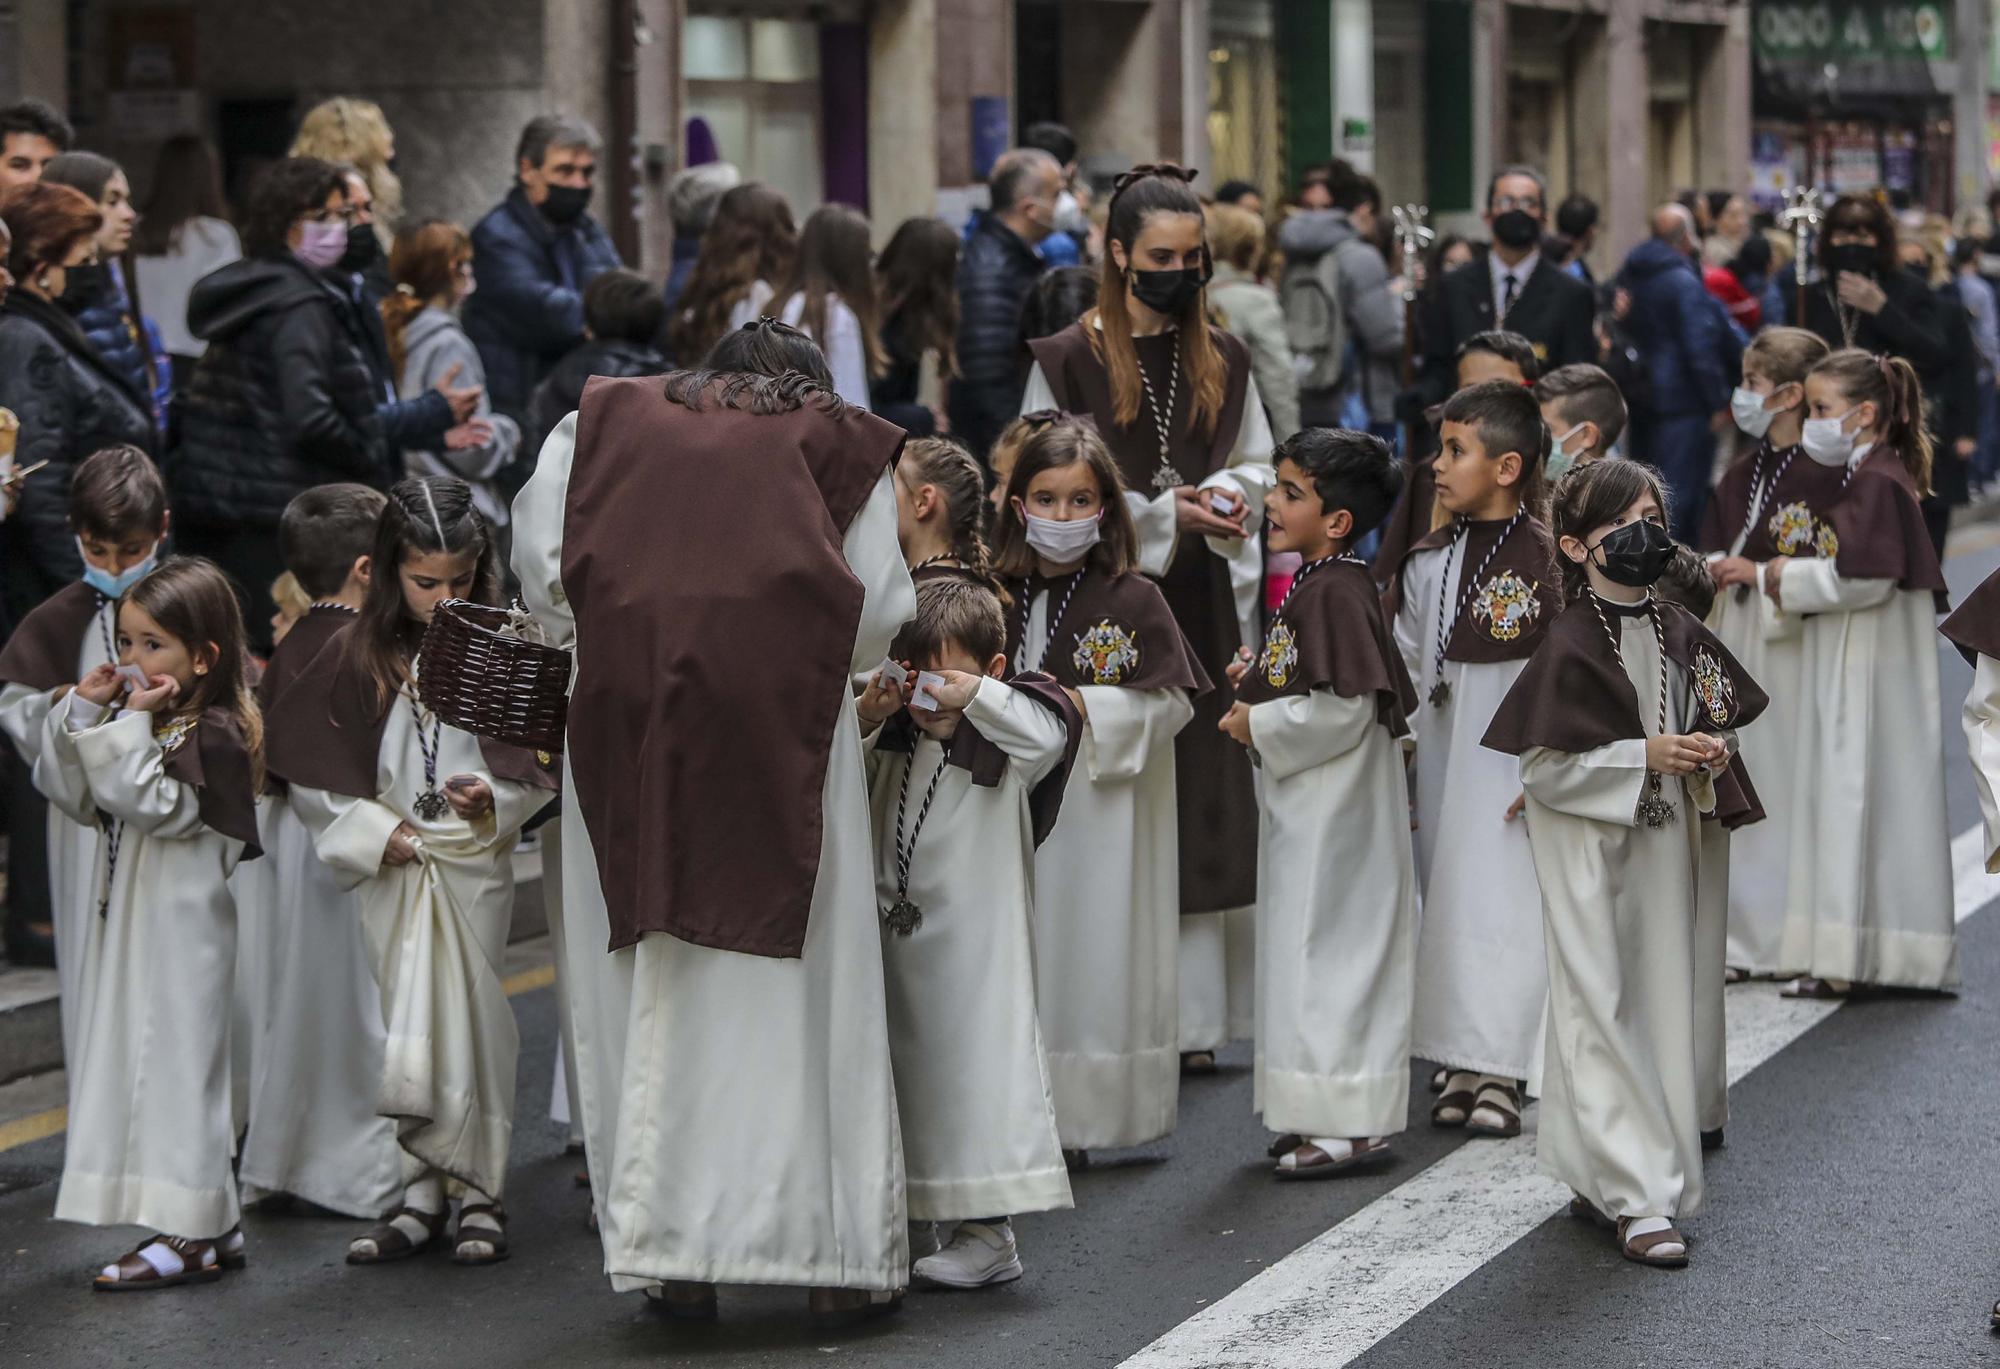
{"x":1250,"y":310}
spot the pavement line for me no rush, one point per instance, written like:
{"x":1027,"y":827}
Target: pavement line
{"x":527,"y":981}
{"x":1341,"y":1293}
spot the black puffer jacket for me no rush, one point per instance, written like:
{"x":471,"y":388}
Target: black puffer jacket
{"x":557,"y":397}
{"x":995,"y":273}
{"x":283,"y":399}
{"x":71,"y":402}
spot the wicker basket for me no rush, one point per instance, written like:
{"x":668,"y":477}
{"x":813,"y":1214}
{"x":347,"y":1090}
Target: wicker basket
{"x":477,"y":673}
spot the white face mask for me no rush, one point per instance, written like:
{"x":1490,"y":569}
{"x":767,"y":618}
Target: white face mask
{"x":1747,"y":408}
{"x":1561,"y":459}
{"x":1063,"y":542}
{"x":1825,"y":442}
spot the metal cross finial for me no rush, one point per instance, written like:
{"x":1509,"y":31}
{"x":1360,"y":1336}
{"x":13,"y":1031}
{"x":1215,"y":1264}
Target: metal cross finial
{"x":1415,"y":236}
{"x":1801,"y":218}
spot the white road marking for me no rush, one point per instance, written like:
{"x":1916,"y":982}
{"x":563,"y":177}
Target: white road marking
{"x":1341,"y":1293}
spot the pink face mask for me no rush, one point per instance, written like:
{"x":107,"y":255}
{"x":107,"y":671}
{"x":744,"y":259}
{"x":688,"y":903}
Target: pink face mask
{"x":321,"y":244}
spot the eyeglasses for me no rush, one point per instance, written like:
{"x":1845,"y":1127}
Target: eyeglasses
{"x":1531,"y":203}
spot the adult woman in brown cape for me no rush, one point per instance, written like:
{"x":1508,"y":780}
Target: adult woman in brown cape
{"x":720,"y":842}
{"x":1175,"y":401}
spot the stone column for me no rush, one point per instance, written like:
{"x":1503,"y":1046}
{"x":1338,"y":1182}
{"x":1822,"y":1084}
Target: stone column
{"x":1972,"y":25}
{"x":1722,"y":104}
{"x":658,"y":148}
{"x":1625,"y":213}
{"x":904,"y":97}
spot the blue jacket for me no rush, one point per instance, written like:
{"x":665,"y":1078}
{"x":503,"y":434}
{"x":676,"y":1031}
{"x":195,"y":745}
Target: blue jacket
{"x":1691,"y":356}
{"x":528,"y":310}
{"x":126,"y":341}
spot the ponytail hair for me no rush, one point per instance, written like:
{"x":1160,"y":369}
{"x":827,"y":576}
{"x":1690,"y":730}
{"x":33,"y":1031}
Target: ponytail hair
{"x":950,"y":469}
{"x":424,"y":263}
{"x":1891,"y":385}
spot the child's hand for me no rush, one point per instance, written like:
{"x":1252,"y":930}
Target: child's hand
{"x":1517,"y":807}
{"x":1239,"y":667}
{"x":1678,"y":755}
{"x":162,"y":694}
{"x":101,"y":685}
{"x":1235,"y":723}
{"x":404,"y":844}
{"x":1192,"y":513}
{"x":880,"y":700}
{"x":1774,"y":576}
{"x":957,"y":691}
{"x":1733,"y":570}
{"x":469,"y":796}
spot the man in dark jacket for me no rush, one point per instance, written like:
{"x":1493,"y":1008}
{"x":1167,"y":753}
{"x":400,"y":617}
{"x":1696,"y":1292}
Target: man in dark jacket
{"x":1692,"y":358}
{"x":995,"y":272}
{"x":532,"y":255}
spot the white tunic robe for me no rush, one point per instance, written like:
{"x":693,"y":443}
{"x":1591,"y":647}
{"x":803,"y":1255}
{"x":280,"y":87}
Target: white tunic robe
{"x":1107,"y":923}
{"x":1981,"y":721}
{"x":1870,"y":889}
{"x":1337,"y":919}
{"x":787,"y":1166}
{"x":1482,"y":977}
{"x":972,"y":1083}
{"x":1620,"y":1116}
{"x":150,"y":1136}
{"x":437,"y":939}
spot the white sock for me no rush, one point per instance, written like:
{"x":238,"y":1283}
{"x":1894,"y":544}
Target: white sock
{"x":470,"y":1228}
{"x":1646,"y":1226}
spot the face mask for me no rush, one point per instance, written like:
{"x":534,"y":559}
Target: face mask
{"x":566,"y":203}
{"x":1747,"y":408}
{"x":363,"y":247}
{"x":1857,"y":257}
{"x":1825,"y":442}
{"x":1070,"y":218}
{"x":1062,"y":542}
{"x":1517,"y":228}
{"x":1560,"y":459}
{"x":83,"y":284}
{"x":1168,"y":292}
{"x":321,"y":244}
{"x":114,"y":586}
{"x":1635,"y":555}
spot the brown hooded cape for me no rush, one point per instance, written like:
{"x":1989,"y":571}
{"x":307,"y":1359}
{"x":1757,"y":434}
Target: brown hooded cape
{"x":43,"y":652}
{"x":703,"y":555}
{"x":986,"y":763}
{"x":1791,"y":515}
{"x":1974,"y":627}
{"x":1115,"y":630}
{"x":1519,"y":595}
{"x":214,"y":761}
{"x":308,"y":637}
{"x":1331,"y":633}
{"x":1878,"y":528}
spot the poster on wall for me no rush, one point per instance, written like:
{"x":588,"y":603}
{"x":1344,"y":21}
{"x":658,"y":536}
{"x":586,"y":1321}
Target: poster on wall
{"x":1771,"y":171}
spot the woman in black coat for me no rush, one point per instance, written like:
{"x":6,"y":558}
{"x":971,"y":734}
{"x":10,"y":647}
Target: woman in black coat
{"x":1864,"y":298}
{"x":70,"y":401}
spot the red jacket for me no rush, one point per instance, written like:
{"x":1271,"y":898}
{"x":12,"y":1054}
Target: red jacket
{"x":1742,"y":306}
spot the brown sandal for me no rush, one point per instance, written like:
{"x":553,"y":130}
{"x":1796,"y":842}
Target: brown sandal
{"x":136,"y":1274}
{"x":390,"y":1241}
{"x":1314,"y":1163}
{"x":1503,"y":1098}
{"x":1639,"y":1249}
{"x":1284,"y":1145}
{"x":1463,"y":1100}
{"x":491,"y":1232}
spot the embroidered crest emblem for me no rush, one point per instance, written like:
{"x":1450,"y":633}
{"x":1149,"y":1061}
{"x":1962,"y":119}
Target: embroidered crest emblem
{"x":1107,"y":654}
{"x":1716,"y":690}
{"x":1506,"y":607}
{"x":1281,"y":654}
{"x":1792,"y":528}
{"x":1826,"y":541}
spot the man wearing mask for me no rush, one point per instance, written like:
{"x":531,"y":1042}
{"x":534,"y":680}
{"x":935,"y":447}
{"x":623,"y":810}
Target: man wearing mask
{"x":995,"y":272}
{"x":31,"y":136}
{"x":1512,"y":287}
{"x":533,"y":254}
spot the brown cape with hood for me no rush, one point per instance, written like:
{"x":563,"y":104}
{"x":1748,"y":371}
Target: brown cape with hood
{"x":1974,"y":627}
{"x":1520,"y":591}
{"x":1878,"y":528}
{"x":1215,"y":793}
{"x":986,"y":763}
{"x":43,"y":652}
{"x":1790,"y":516}
{"x":289,"y":659}
{"x":214,"y":761}
{"x":1331,"y":633}
{"x":703,"y":555}
{"x":1115,"y":630}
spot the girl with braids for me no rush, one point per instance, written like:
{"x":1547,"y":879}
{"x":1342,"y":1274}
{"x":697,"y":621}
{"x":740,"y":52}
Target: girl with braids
{"x":421,"y":816}
{"x":1623,"y":721}
{"x":1178,"y":410}
{"x":941,"y":512}
{"x":167,"y":772}
{"x":1765,"y":507}
{"x":1869,"y":890}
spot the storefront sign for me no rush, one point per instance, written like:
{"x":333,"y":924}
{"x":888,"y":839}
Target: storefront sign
{"x":1853,"y":31}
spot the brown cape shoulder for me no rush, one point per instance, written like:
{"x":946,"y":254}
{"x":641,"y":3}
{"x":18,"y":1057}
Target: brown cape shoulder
{"x":42,"y":653}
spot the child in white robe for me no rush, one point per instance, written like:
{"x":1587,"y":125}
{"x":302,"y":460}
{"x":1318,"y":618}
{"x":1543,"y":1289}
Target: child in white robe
{"x":1974,"y":628}
{"x":421,"y":818}
{"x":1475,"y":597}
{"x":1107,"y":925}
{"x":1620,"y":723}
{"x":118,"y":511}
{"x":1764,"y":507}
{"x":1869,"y":887}
{"x":962,"y":780}
{"x":314,"y":1132}
{"x":1323,"y":708}
{"x":169,"y":780}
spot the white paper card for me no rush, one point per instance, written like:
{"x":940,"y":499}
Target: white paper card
{"x":922,"y":696}
{"x":1223,"y":502}
{"x":134,"y":678}
{"x":892,"y":673}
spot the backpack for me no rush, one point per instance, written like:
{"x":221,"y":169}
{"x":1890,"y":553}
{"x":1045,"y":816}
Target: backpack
{"x":1315,"y":324}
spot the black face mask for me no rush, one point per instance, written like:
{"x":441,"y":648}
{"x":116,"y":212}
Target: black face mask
{"x":1517,"y":228}
{"x":1168,"y":292}
{"x":1635,"y":555}
{"x":1858,"y":257}
{"x":566,"y":203}
{"x":363,"y":248}
{"x":82,"y":285}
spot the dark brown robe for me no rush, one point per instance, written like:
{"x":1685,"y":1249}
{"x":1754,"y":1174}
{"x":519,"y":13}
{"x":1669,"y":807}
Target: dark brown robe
{"x":1215,"y":794}
{"x":986,"y":763}
{"x":703,"y":555}
{"x":1878,"y":528}
{"x":1115,"y":630}
{"x":1331,"y":633}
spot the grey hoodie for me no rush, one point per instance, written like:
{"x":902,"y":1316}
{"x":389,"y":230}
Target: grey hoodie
{"x":1374,"y":314}
{"x":432,"y":343}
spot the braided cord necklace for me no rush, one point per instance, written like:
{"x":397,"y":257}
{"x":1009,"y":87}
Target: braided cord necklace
{"x":1440,"y":694}
{"x":904,"y":916}
{"x":1167,"y":477}
{"x":1759,"y":491}
{"x":431,"y":805}
{"x":1055,"y":618}
{"x":1655,"y":810}
{"x":937,"y":560}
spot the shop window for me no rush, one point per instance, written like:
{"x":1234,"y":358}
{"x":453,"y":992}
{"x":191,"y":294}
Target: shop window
{"x":1243,"y":138}
{"x":757,"y":83}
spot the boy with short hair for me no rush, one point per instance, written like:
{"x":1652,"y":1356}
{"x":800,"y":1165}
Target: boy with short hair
{"x":1584,"y":412}
{"x":965,"y":775}
{"x":624,"y":317}
{"x":1475,"y":597}
{"x":1497,"y":355}
{"x":1324,"y":708}
{"x":118,"y":511}
{"x":313,"y":1129}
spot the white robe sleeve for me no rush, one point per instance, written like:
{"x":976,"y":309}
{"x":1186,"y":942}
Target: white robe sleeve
{"x":1295,"y":734}
{"x":59,"y":773}
{"x":538,"y":532}
{"x":349,"y":834}
{"x":1032,"y":737}
{"x":1408,"y":630}
{"x":1812,"y":585}
{"x":22,"y":713}
{"x":128,"y":779}
{"x":845,"y":354}
{"x":513,"y":805}
{"x":1603,"y":785}
{"x":1982,"y":743}
{"x":1254,"y":443}
{"x":876,"y":558}
{"x":1126,"y":727}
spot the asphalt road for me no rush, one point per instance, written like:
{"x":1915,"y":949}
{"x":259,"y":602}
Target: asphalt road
{"x":1851,"y":1222}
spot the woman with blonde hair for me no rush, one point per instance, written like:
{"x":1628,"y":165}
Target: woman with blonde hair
{"x":1250,"y":309}
{"x":355,"y":132}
